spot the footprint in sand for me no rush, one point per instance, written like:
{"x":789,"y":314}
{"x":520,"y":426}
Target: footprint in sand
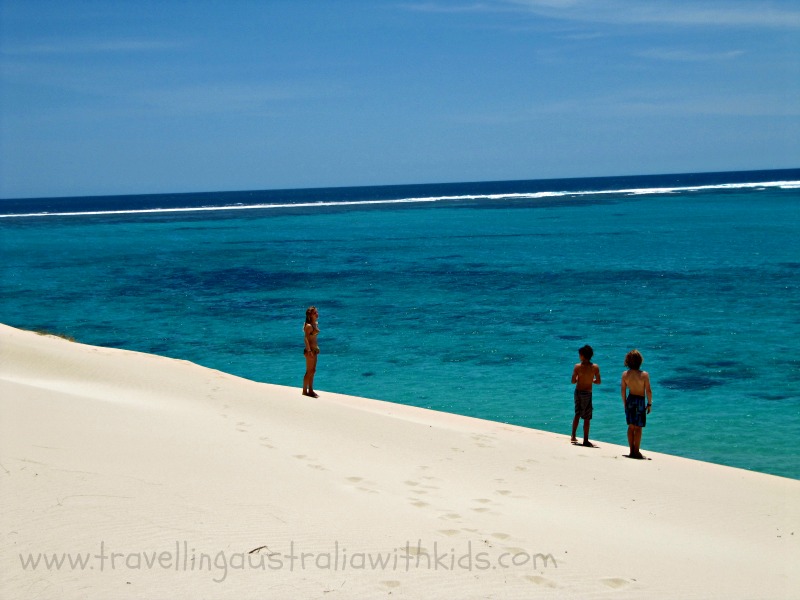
{"x":482,"y":509}
{"x":539,"y":580}
{"x":615,"y":582}
{"x":451,"y":516}
{"x":430,"y":479}
{"x":310,"y":466}
{"x":416,"y":489}
{"x":415,"y":550}
{"x":391,"y":584}
{"x":449,"y":532}
{"x":522,"y":467}
{"x":483,"y":441}
{"x":355,"y":481}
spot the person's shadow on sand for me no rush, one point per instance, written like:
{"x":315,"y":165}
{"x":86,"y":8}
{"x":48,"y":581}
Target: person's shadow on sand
{"x":639,"y":457}
{"x":585,"y":444}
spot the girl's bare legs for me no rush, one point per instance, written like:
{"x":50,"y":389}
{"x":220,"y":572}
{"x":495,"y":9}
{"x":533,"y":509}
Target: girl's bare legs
{"x":311,"y":369}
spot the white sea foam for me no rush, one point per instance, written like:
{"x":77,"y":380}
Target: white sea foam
{"x":521,"y":196}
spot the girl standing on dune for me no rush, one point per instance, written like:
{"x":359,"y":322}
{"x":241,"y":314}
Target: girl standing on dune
{"x":310,"y":332}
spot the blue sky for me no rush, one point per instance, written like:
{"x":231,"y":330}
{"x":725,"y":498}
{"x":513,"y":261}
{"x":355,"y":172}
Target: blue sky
{"x":118,"y":97}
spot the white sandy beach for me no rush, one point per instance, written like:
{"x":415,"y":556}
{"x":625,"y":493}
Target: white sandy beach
{"x":176,"y":481}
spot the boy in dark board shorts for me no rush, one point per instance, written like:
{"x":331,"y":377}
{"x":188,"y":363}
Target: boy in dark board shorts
{"x":584,"y":375}
{"x":638,"y":402}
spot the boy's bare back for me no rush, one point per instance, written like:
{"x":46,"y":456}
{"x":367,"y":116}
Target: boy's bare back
{"x":585,"y":374}
{"x":637,"y":382}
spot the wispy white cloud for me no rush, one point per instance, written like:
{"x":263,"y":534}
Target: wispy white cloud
{"x":463,"y":7}
{"x":697,"y":13}
{"x":73,"y":47}
{"x":689,"y":55}
{"x":731,"y":13}
{"x":222,"y":98}
{"x":637,"y":105}
{"x":741,"y":105}
{"x":200,"y":102}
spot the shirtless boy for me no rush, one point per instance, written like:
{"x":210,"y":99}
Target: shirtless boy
{"x":584,"y":375}
{"x":637,"y":383}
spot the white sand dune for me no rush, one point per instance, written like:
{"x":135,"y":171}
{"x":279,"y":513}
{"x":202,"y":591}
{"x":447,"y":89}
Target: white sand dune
{"x":176,"y":481}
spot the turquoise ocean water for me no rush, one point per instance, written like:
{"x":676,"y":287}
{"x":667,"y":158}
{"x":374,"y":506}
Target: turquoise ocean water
{"x":470,"y":298}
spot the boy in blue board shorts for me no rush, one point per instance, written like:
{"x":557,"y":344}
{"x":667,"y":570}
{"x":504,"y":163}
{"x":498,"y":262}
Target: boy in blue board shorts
{"x":584,"y":375}
{"x":637,"y":385}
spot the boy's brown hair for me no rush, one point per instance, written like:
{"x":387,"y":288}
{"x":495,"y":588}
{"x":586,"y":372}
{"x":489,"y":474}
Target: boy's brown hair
{"x":633,"y":360}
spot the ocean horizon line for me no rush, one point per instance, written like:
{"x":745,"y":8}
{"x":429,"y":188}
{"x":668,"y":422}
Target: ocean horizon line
{"x":470,"y":182}
{"x":370,"y":195}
